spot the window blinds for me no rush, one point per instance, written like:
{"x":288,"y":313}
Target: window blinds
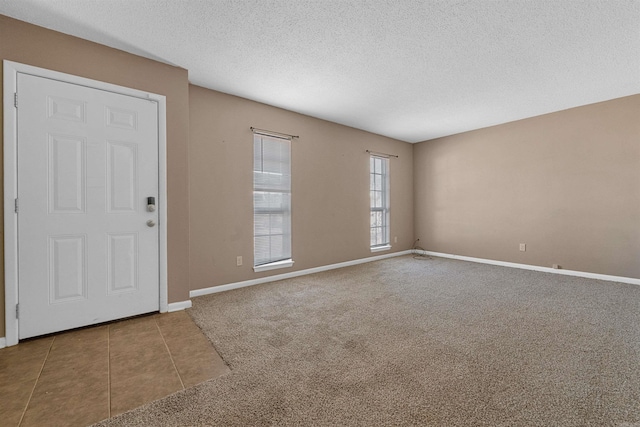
{"x":379,"y":188}
{"x":271,"y":199}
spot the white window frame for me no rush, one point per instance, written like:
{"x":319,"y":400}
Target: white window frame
{"x":384,"y":208}
{"x":285,"y":211}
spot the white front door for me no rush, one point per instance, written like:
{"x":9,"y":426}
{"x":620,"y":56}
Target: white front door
{"x":88,"y":248}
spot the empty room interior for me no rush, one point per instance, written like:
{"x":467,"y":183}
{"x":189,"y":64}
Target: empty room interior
{"x":331,"y":212}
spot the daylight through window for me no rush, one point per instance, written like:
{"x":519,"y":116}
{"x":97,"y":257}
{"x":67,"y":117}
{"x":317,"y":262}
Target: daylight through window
{"x":271,"y":199}
{"x":379,"y":186}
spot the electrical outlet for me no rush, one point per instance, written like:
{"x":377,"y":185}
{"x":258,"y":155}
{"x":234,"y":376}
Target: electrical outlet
{"x":523,"y":247}
{"x":238,"y":261}
{"x":395,"y":239}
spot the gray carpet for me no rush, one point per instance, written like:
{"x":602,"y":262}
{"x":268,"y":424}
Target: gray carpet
{"x":416,"y":342}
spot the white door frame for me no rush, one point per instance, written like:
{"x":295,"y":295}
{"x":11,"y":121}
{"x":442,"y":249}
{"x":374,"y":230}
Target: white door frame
{"x":11,"y":70}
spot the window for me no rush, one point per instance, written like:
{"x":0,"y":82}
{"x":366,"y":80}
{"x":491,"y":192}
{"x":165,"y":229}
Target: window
{"x":379,"y":186}
{"x":271,"y":202}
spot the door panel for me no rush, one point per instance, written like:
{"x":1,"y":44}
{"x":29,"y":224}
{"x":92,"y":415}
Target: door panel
{"x":67,"y":163}
{"x":67,"y":268}
{"x":87,"y":161}
{"x":122,"y":176}
{"x":123,"y":262}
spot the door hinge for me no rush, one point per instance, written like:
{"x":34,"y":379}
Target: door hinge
{"x":17,"y":311}
{"x":16,"y":206}
{"x":15,"y":99}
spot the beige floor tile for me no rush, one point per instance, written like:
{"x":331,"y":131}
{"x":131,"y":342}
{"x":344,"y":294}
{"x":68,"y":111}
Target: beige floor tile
{"x":126,"y":358}
{"x":23,"y":361}
{"x":133,"y":327}
{"x":80,"y":377}
{"x":140,"y":366}
{"x":195,"y":358}
{"x":82,"y":348}
{"x":79,"y":373}
{"x":62,"y":406}
{"x":73,"y":388}
{"x":173,"y":321}
{"x":143,"y":388}
{"x":13,"y":400}
{"x":82,"y":338}
{"x":200,"y":367}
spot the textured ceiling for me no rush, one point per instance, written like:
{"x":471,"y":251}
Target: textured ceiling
{"x":409,"y":69}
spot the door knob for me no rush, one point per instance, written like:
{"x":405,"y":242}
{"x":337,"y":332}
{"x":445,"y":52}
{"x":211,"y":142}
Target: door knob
{"x":151,"y":223}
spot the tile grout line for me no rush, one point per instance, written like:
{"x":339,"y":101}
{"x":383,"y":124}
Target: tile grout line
{"x":109,"y":370}
{"x":36,"y":383}
{"x":170,"y":355}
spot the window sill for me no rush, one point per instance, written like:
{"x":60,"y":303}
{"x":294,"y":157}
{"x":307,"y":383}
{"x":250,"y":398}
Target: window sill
{"x":380,"y":248}
{"x":273,"y":265}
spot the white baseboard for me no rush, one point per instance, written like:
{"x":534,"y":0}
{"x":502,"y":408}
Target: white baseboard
{"x":230,"y":286}
{"x":622,"y":279}
{"x":3,"y":342}
{"x":178,"y":306}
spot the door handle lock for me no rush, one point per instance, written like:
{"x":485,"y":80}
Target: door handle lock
{"x":151,"y":223}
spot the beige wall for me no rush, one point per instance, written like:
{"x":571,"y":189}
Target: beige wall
{"x":29,"y":44}
{"x":330,"y":189}
{"x":567,"y":184}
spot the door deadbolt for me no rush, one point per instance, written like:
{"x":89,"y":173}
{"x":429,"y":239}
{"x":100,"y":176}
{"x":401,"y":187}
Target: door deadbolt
{"x":151,"y":204}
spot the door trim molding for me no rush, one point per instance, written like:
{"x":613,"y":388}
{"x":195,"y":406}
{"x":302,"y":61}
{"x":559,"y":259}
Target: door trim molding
{"x":11,"y":70}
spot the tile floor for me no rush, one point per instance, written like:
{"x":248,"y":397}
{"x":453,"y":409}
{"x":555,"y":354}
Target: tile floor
{"x":80,"y":377}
